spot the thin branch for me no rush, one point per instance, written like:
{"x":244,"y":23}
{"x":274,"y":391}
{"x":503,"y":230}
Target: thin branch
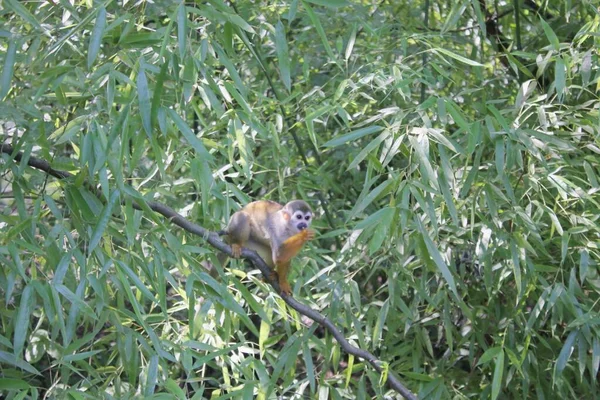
{"x":213,"y":239}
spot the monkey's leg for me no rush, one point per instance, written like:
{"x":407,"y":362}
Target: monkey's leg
{"x":292,"y":246}
{"x":238,"y":232}
{"x":282,"y":272}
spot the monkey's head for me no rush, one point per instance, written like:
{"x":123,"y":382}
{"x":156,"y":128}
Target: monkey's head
{"x":298,"y":214}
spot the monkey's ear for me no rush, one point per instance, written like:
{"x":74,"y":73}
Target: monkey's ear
{"x":286,"y":215}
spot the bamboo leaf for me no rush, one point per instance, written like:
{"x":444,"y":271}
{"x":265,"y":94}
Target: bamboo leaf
{"x":22,"y":320}
{"x":96,"y":37}
{"x":103,"y":221}
{"x":283,"y":55}
{"x":498,"y":372}
{"x":457,"y":57}
{"x":8,"y":68}
{"x":352,"y":136}
{"x":144,"y":103}
{"x":189,"y":135}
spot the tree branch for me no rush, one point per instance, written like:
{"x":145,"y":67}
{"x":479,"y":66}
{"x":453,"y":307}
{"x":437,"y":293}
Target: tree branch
{"x":213,"y":239}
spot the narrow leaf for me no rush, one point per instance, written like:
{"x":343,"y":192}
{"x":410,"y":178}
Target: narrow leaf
{"x":320,"y":31}
{"x":552,"y":38}
{"x":189,"y":135}
{"x":22,"y":12}
{"x":435,"y":254}
{"x":8,"y":68}
{"x":144,"y":100}
{"x":330,"y":3}
{"x":152,"y":376}
{"x":96,"y":38}
{"x":283,"y":55}
{"x":354,"y":135}
{"x":181,"y":28}
{"x":350,"y":44}
{"x":498,"y":372}
{"x":103,"y":221}
{"x":457,"y":57}
{"x":10,"y":359}
{"x":22,"y":321}
{"x":368,"y":199}
{"x":565,"y":354}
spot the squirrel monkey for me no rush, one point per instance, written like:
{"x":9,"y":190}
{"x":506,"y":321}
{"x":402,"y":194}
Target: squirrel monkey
{"x":277,"y":233}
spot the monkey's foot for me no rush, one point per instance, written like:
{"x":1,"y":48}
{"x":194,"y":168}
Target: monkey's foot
{"x":285,"y":287}
{"x":271,"y":277}
{"x":236,"y":250}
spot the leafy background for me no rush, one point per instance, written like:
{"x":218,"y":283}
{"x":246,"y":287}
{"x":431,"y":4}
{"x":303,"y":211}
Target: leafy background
{"x":449,"y":148}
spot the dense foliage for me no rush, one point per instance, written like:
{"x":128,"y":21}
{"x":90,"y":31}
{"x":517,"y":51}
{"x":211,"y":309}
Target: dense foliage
{"x":451,"y":150}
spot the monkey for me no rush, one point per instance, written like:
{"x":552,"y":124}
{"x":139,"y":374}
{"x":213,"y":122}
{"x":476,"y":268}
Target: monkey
{"x":277,"y":233}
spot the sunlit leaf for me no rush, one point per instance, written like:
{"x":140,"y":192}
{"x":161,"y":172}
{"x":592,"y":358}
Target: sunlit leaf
{"x":352,"y":136}
{"x":457,"y":57}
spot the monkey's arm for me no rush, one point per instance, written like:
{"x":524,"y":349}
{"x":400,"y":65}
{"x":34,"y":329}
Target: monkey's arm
{"x":286,"y":251}
{"x":292,"y":246}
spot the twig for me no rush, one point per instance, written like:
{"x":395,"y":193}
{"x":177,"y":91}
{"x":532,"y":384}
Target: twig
{"x":213,"y":239}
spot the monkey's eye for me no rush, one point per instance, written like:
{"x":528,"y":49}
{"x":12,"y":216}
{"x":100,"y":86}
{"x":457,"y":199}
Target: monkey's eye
{"x":298,"y":216}
{"x":307,"y":218}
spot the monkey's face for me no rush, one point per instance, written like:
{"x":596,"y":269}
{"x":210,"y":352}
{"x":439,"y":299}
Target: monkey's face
{"x":300,"y":220}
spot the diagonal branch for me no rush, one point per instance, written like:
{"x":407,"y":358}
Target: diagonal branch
{"x":213,"y":239}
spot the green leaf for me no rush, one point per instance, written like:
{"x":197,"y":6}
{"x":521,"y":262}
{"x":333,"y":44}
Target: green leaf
{"x":151,"y":376}
{"x":8,"y":68}
{"x":103,"y":221}
{"x":96,"y":38}
{"x":137,"y":282}
{"x":283,"y":55}
{"x":22,"y":12}
{"x":76,"y":301}
{"x":368,"y":199}
{"x":462,"y":59}
{"x":552,"y":38}
{"x":499,"y":157}
{"x":565,"y":354}
{"x":382,"y":316}
{"x":437,"y":258}
{"x":498,"y":372}
{"x":320,"y":31}
{"x":352,"y":136}
{"x":350,"y":44}
{"x":11,"y":359}
{"x":330,"y":3}
{"x":456,"y":12}
{"x":489,"y":355}
{"x":189,"y":135}
{"x":145,"y":105}
{"x":368,"y":149}
{"x":560,"y":81}
{"x":13,"y":384}
{"x":22,"y":320}
{"x":181,"y":28}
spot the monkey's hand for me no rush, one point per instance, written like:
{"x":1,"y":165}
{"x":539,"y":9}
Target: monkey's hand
{"x":310,"y":234}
